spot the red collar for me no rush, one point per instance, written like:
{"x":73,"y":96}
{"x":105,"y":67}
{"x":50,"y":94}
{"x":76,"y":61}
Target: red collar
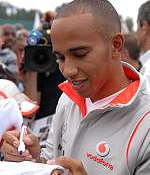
{"x":123,"y":98}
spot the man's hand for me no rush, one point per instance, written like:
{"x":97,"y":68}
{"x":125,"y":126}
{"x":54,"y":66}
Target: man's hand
{"x":11,"y":143}
{"x":75,"y":167}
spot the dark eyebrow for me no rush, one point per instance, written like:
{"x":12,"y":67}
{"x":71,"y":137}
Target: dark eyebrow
{"x":71,"y":49}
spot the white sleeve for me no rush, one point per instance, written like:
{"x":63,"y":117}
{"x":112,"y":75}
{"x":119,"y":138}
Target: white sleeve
{"x":145,"y":71}
{"x":55,"y":132}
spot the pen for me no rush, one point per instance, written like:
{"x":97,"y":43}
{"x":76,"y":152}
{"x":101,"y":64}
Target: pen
{"x":21,"y":147}
{"x":1,"y":156}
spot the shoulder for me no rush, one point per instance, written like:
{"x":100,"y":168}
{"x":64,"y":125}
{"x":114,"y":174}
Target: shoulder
{"x":138,"y":147}
{"x":64,"y":101}
{"x":65,"y":109}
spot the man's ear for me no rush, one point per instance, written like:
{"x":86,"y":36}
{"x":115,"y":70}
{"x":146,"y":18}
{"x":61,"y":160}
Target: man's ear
{"x":118,"y":42}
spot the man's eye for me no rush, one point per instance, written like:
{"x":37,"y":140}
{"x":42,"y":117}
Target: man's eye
{"x":80,"y":53}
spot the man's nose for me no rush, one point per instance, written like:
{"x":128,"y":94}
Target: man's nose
{"x":69,"y":68}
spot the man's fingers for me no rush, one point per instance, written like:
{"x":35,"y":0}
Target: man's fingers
{"x":75,"y":166}
{"x":11,"y":144}
{"x":10,"y":149}
{"x":57,"y":172}
{"x":11,"y":154}
{"x":7,"y":148}
{"x":10,"y":157}
{"x":11,"y":137}
{"x":30,"y":140}
{"x":32,"y":144}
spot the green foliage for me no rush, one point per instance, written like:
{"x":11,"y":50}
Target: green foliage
{"x":20,"y":15}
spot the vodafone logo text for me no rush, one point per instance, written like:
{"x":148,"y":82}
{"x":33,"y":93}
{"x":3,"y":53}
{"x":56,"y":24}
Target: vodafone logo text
{"x":99,"y":160}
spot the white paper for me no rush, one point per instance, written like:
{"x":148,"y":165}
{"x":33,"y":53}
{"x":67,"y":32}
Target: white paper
{"x":27,"y":168}
{"x":10,"y":115}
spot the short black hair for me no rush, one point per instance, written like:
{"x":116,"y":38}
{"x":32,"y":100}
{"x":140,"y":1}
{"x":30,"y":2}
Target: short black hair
{"x":107,"y":18}
{"x":144,"y":13}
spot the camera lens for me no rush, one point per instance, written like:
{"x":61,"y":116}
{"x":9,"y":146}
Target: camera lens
{"x":41,"y":58}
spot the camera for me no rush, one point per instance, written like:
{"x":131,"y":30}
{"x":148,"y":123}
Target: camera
{"x":38,"y":51}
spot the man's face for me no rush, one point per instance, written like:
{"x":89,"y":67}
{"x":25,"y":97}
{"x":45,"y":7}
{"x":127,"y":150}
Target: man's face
{"x":8,"y":37}
{"x":141,"y":37}
{"x":84,"y":57}
{"x":20,"y":44}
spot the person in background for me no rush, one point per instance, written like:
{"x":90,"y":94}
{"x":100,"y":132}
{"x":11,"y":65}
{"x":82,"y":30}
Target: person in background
{"x":21,"y":39}
{"x":101,"y":125}
{"x":143,"y":31}
{"x":131,"y":51}
{"x":143,"y":36}
{"x":19,"y":27}
{"x":8,"y":36}
{"x":28,"y":79}
{"x":8,"y":57}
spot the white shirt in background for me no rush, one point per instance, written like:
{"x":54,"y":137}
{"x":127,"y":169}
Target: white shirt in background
{"x":145,"y":70}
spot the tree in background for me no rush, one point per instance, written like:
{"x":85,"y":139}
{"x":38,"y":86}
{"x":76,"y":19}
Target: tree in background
{"x":11,"y":14}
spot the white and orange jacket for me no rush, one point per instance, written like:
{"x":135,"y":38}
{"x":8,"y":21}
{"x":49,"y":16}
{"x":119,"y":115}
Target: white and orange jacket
{"x":113,"y":140}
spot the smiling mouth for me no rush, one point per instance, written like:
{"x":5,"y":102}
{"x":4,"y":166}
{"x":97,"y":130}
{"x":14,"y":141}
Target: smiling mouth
{"x":77,"y":85}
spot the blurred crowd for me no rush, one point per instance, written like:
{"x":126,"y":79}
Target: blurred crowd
{"x":41,"y":88}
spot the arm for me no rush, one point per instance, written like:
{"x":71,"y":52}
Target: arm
{"x":143,"y":166}
{"x":30,"y":84}
{"x":56,"y":131}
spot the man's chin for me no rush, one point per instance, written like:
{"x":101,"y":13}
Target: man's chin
{"x":82,"y":94}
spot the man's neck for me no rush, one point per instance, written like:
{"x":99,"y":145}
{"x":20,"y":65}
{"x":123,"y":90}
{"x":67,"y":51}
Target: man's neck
{"x":113,"y":85}
{"x":146,"y":47}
